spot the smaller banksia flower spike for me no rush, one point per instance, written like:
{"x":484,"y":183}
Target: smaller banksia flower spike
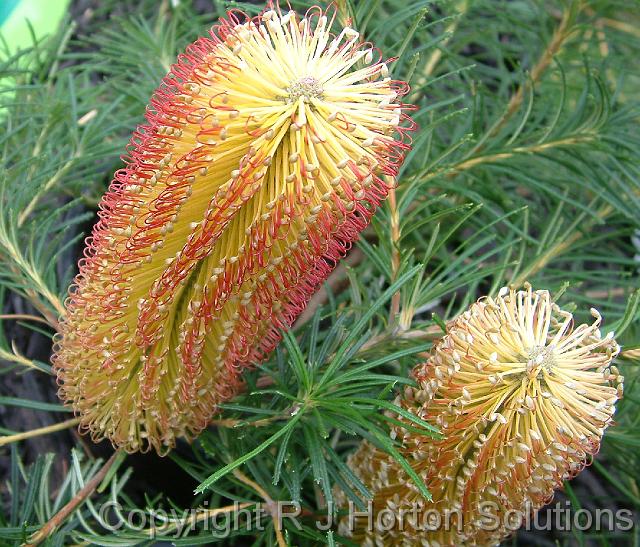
{"x":521,"y":397}
{"x":268,"y":148}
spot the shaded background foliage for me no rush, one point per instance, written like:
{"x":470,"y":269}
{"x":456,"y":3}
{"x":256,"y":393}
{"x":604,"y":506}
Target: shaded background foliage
{"x":525,"y":167}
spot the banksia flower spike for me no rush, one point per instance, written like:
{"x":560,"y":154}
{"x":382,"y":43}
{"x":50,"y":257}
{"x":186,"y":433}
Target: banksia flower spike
{"x":268,"y":148}
{"x":522,"y":399}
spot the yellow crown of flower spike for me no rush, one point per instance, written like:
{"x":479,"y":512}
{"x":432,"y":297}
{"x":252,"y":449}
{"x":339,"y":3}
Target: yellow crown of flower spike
{"x":522,"y":399}
{"x":266,"y":152}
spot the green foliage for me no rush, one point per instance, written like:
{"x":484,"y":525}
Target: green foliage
{"x":525,"y":167}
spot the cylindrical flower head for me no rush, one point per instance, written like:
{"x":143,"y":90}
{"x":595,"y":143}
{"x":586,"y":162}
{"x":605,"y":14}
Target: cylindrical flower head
{"x":268,"y":148}
{"x":521,"y":398}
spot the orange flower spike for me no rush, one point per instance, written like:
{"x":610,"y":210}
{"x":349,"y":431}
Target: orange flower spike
{"x":264,"y":155}
{"x":522,"y":399}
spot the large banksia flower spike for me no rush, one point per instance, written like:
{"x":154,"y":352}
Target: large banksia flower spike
{"x":522,"y":399}
{"x":268,"y":148}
